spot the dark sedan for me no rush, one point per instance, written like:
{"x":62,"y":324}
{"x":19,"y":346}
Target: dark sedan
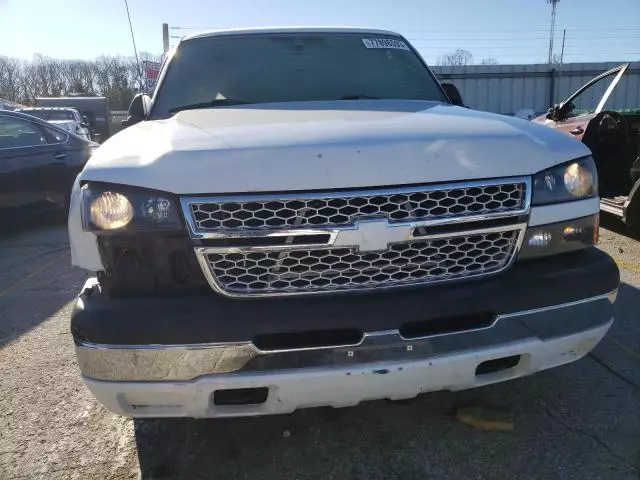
{"x":38,"y":164}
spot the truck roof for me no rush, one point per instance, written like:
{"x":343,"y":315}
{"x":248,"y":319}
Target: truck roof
{"x":73,"y":98}
{"x":267,"y":30}
{"x":47,"y":108}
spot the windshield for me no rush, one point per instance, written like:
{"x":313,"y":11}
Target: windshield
{"x":61,"y":115}
{"x":588,"y":98}
{"x":41,"y":114}
{"x":50,"y":115}
{"x":292,"y":68}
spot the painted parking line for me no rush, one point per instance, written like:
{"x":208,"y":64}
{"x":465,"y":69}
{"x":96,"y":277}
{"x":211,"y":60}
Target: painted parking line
{"x":31,"y":275}
{"x":624,"y":265}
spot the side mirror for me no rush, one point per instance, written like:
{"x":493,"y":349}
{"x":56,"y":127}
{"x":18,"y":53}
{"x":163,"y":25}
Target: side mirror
{"x":555,"y":112}
{"x":138,"y":109}
{"x":84,"y":124}
{"x":560,"y":111}
{"x":454,"y":95}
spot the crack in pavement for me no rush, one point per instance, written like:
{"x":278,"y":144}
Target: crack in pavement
{"x":614,"y":372}
{"x":592,"y":436}
{"x":622,"y":459}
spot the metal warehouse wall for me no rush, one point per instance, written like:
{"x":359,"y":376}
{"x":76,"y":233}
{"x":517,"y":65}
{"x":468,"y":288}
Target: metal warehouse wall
{"x":509,"y":88}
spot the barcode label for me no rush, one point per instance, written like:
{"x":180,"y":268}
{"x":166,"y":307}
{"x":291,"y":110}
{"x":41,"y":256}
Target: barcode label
{"x":384,"y":43}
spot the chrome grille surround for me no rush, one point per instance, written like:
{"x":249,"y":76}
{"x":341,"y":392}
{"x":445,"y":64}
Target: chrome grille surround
{"x":344,"y":208}
{"x":307,"y":259}
{"x":309,"y":270}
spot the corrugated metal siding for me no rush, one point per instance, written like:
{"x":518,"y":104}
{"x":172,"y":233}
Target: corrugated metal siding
{"x":509,"y":88}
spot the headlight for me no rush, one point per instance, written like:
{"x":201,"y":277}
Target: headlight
{"x":110,"y":210}
{"x":123,"y":209}
{"x":570,"y":181}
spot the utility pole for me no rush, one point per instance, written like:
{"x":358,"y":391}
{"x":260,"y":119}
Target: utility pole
{"x":553,"y":27}
{"x":165,"y":37}
{"x":564,"y":36}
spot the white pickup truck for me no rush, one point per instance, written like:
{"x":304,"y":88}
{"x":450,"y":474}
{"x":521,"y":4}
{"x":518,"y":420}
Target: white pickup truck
{"x":64,"y":117}
{"x":302,"y":217}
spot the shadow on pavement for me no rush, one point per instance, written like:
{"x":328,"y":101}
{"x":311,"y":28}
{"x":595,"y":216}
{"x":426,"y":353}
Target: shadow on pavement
{"x":615,"y":225}
{"x":36,"y":276}
{"x":578,"y":421}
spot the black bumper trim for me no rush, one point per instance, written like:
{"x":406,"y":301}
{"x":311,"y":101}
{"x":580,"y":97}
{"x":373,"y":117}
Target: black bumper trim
{"x":98,"y":318}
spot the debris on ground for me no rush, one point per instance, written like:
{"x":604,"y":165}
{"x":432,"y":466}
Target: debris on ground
{"x":486,"y":418}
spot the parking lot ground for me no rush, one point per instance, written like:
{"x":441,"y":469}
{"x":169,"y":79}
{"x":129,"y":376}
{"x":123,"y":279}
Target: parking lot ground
{"x":580,"y":421}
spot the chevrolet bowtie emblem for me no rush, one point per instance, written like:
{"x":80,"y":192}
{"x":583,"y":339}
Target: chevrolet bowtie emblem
{"x":373,"y":235}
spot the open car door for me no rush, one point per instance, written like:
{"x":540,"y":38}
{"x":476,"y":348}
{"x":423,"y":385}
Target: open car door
{"x":574,"y":114}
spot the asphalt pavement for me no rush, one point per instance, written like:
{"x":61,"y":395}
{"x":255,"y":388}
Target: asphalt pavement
{"x":579,"y":421}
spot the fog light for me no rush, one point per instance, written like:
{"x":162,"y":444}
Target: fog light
{"x":571,"y":232}
{"x":111,"y":210}
{"x":561,"y":237}
{"x":540,"y":239}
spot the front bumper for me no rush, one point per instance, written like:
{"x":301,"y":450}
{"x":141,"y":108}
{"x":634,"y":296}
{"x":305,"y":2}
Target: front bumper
{"x":167,"y":357}
{"x":344,"y":386}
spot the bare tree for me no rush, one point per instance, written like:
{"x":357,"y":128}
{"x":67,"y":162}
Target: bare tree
{"x":10,"y":78}
{"x":117,"y":78}
{"x":489,"y":61}
{"x":459,"y":56}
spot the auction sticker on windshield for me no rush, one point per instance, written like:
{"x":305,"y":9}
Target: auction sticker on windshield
{"x":384,"y":43}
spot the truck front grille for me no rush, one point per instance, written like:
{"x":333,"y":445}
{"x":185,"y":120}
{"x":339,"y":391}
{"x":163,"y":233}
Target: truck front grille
{"x":285,"y":244}
{"x":338,"y":209}
{"x":322,"y":269}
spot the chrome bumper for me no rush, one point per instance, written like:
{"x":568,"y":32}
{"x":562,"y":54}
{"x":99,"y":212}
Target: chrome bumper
{"x":155,"y":363}
{"x":339,"y":386}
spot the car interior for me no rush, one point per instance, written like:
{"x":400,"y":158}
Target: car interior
{"x":17,"y":133}
{"x":614,"y":139}
{"x":612,"y":134}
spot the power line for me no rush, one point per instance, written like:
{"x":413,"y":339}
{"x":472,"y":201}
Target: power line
{"x":588,"y":44}
{"x":471,"y":30}
{"x":579,"y":48}
{"x":520,"y":39}
{"x":536,"y":30}
{"x":133,"y":39}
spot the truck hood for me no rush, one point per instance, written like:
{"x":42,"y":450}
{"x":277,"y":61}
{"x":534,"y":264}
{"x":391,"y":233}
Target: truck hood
{"x":325,"y":145}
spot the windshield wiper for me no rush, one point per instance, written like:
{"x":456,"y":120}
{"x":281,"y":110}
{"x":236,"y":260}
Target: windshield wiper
{"x":220,"y":102}
{"x":359,"y":97}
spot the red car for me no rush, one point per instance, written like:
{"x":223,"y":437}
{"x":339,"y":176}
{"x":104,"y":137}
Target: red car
{"x":612,"y":135}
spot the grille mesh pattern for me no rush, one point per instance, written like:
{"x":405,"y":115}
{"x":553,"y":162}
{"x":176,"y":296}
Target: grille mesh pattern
{"x":308,"y":270}
{"x":416,"y":205}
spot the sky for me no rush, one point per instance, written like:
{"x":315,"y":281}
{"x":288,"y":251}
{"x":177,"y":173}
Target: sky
{"x":511,"y":31}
